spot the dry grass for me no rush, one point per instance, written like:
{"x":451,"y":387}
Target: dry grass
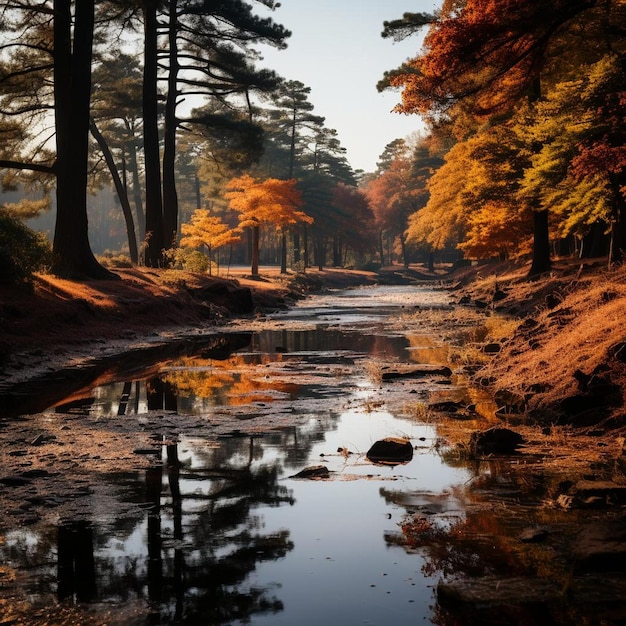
{"x":575,"y":318}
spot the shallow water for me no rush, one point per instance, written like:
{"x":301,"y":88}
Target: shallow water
{"x":216,"y":529}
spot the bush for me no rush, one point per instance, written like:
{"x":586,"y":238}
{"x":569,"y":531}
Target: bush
{"x":115,"y":261}
{"x":188,"y":259}
{"x":22,"y":251}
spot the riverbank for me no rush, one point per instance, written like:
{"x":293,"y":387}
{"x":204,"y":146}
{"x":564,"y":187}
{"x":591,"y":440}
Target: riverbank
{"x":55,"y":324}
{"x":564,"y":359}
{"x":561,"y":360}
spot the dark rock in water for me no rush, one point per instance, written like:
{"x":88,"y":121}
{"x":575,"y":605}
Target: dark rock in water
{"x":601,"y":547}
{"x":417,"y":372}
{"x":313,"y":472}
{"x":391,"y":450}
{"x":496,"y":440}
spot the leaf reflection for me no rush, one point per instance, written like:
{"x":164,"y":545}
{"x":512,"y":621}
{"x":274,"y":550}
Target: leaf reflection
{"x":232,"y":382}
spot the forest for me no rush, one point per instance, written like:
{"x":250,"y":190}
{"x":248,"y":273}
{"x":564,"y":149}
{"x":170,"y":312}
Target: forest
{"x":209,"y":158}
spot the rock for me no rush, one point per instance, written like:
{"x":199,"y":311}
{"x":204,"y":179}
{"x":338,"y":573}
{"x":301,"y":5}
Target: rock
{"x":417,"y":372}
{"x":601,"y":547}
{"x":391,"y":450}
{"x":492,"y":348}
{"x":587,"y":494}
{"x":496,"y":440}
{"x":313,"y":472}
{"x":499,"y":294}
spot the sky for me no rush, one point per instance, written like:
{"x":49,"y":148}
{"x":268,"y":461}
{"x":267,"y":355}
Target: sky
{"x":336,"y":50}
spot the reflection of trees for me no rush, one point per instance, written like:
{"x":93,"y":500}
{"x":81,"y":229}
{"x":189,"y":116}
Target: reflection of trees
{"x":227,"y":383}
{"x":76,"y":572}
{"x":482,"y":541}
{"x":200,"y":573}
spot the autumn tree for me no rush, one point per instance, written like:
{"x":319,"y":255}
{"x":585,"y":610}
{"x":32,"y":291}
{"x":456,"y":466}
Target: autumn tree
{"x":208,"y":230}
{"x":270,"y":201}
{"x":352,"y":208}
{"x":400,"y":189}
{"x":481,"y":57}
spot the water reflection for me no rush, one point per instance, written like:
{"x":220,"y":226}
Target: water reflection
{"x":216,"y":531}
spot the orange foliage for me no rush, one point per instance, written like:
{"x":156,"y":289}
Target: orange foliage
{"x":488,"y":51}
{"x":272,"y":201}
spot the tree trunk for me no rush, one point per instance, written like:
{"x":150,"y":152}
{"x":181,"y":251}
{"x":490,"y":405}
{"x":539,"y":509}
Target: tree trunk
{"x":154,"y":208}
{"x":306,"y":246}
{"x":405,"y":252}
{"x":170,"y":196}
{"x":73,"y":257}
{"x":381,"y":248}
{"x":121,"y":192}
{"x":134,"y":170}
{"x":296,"y":246}
{"x":254,"y":269}
{"x":283,"y":251}
{"x":336,"y":252}
{"x":541,"y":244}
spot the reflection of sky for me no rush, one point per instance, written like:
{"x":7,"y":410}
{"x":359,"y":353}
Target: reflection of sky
{"x":341,"y":569}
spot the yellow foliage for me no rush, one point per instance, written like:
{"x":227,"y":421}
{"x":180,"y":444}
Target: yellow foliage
{"x":205,"y":229}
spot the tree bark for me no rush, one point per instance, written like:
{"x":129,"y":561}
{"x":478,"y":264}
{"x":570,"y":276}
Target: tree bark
{"x":170,"y":195}
{"x":154,"y":203}
{"x":73,"y":257}
{"x":254,"y":269}
{"x":134,"y":171}
{"x":121,"y":192}
{"x":541,"y":244}
{"x":283,"y":251}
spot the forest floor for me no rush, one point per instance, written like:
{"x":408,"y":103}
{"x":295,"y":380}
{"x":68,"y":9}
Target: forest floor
{"x":556,"y":355}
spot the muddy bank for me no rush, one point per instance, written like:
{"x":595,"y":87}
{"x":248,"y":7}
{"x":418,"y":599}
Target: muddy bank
{"x":56,"y":324}
{"x":535,"y":531}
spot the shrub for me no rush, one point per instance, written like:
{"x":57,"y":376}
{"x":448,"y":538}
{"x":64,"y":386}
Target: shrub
{"x":188,"y":259}
{"x":22,"y":251}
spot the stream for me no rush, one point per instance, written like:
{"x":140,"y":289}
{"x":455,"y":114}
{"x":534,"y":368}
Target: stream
{"x":166,"y":491}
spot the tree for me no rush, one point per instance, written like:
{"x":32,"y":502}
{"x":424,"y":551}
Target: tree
{"x":269,"y":201}
{"x":64,"y":54}
{"x":208,"y":52}
{"x":116,"y":110}
{"x":483,"y":56}
{"x":207,"y":230}
{"x":352,"y":209}
{"x":293,"y":115}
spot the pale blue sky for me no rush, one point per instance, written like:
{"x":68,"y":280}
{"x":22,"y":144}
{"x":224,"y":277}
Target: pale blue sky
{"x":336,"y":50}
